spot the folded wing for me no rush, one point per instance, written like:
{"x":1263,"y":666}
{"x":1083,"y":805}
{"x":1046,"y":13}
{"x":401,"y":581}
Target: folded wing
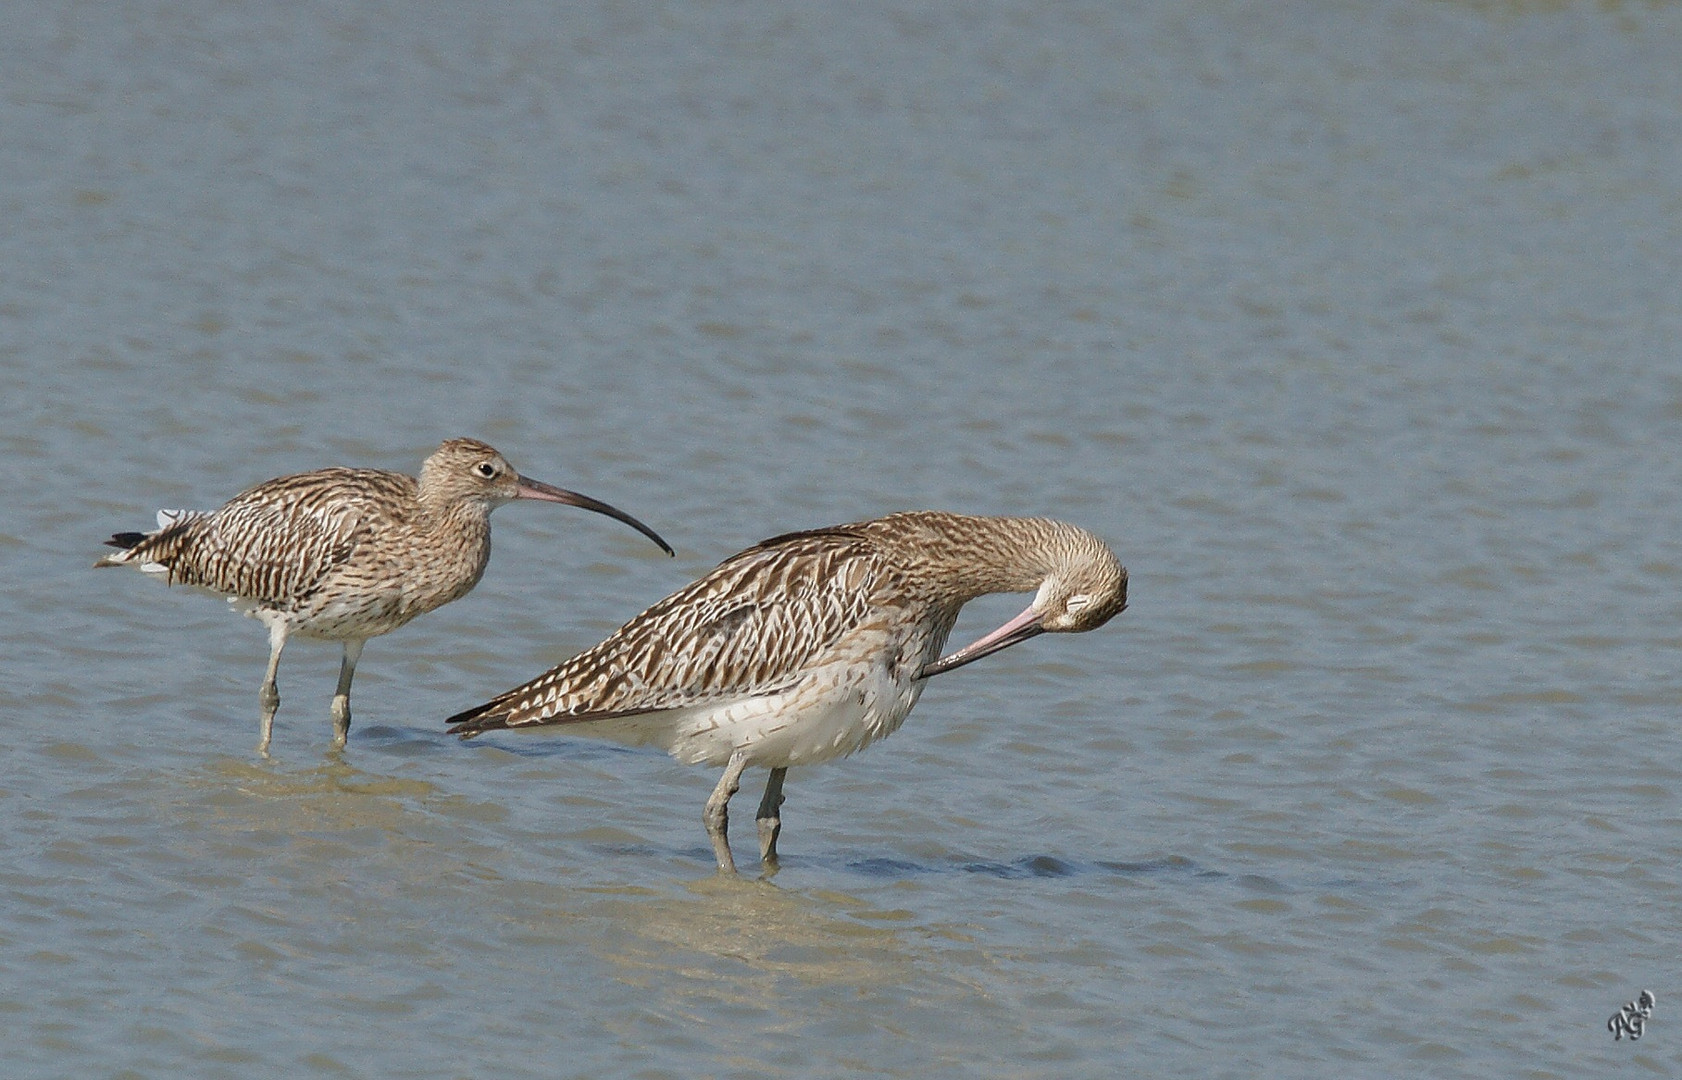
{"x":747,"y":629}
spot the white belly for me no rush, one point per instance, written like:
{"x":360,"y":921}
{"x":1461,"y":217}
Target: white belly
{"x":834,"y":712}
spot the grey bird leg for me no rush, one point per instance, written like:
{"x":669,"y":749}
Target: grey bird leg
{"x":341,"y":696}
{"x":770,"y":822}
{"x":269,"y":696}
{"x":717,"y":816}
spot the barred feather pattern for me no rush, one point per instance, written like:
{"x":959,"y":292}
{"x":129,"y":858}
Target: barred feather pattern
{"x":341,"y":553}
{"x":345,"y":554}
{"x":804,"y":647}
{"x":749,"y":627}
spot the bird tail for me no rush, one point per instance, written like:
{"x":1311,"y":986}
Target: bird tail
{"x":127,"y":541}
{"x":153,"y":552}
{"x":533,"y":704}
{"x":493,"y":715}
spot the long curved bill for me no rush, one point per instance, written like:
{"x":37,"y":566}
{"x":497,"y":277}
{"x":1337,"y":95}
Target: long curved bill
{"x":1017,"y":630}
{"x":536,"y":489}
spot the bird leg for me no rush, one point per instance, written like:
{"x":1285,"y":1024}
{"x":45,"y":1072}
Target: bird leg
{"x":269,"y":696}
{"x":770,"y":821}
{"x":341,"y":696}
{"x":717,"y":816}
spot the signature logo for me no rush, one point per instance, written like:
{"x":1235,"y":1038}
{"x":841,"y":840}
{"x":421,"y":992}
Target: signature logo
{"x":1632,"y":1019}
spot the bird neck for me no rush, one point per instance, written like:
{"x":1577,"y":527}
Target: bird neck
{"x":976,"y":556}
{"x":442,"y":514}
{"x":457,"y":538}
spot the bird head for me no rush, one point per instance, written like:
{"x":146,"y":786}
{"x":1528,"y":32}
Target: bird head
{"x":467,"y":470}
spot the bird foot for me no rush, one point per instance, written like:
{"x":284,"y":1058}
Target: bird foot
{"x":721,"y":851}
{"x":717,"y":814}
{"x":768,"y":830}
{"x":341,"y":721}
{"x":269,"y":699}
{"x":770,"y":819}
{"x":717,"y":818}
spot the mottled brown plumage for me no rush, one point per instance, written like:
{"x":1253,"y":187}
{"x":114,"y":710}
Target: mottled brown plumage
{"x":345,"y":554}
{"x":812,"y":645}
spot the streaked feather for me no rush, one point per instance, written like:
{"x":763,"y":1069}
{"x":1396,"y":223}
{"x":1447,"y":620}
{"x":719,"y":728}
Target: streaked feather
{"x":749,"y":628}
{"x":345,"y":554}
{"x":811,"y":645}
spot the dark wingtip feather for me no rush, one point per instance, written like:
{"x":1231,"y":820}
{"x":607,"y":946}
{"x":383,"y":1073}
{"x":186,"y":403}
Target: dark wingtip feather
{"x":477,"y":721}
{"x":125,"y":540}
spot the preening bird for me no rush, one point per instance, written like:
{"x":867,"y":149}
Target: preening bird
{"x":811,"y":645}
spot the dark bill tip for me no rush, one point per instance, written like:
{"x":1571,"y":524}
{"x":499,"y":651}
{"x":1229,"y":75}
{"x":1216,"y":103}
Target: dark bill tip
{"x":536,"y":489}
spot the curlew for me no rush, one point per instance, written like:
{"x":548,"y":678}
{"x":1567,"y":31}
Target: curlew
{"x":345,"y":554}
{"x":811,"y":645}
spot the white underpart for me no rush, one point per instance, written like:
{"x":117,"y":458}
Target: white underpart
{"x":273,"y":621}
{"x":829,"y":715}
{"x":352,"y":615}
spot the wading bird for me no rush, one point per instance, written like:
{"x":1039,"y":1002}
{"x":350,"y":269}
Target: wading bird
{"x":811,"y":645}
{"x":345,"y":554}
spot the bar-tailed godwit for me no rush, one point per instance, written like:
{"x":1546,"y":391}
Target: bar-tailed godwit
{"x":345,"y":554}
{"x":811,"y":645}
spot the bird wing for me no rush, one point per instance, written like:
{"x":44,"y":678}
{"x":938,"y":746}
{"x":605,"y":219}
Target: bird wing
{"x":275,"y":542}
{"x":747,"y":629}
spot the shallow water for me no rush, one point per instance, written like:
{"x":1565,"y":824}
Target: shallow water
{"x":1352,"y":327}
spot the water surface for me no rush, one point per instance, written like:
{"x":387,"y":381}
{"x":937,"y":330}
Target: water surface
{"x":1352,"y":327}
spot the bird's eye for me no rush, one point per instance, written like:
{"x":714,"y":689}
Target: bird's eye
{"x":1075,"y":603}
{"x":486,"y":469}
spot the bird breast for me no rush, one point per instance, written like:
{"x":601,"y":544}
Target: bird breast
{"x":394,"y":575}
